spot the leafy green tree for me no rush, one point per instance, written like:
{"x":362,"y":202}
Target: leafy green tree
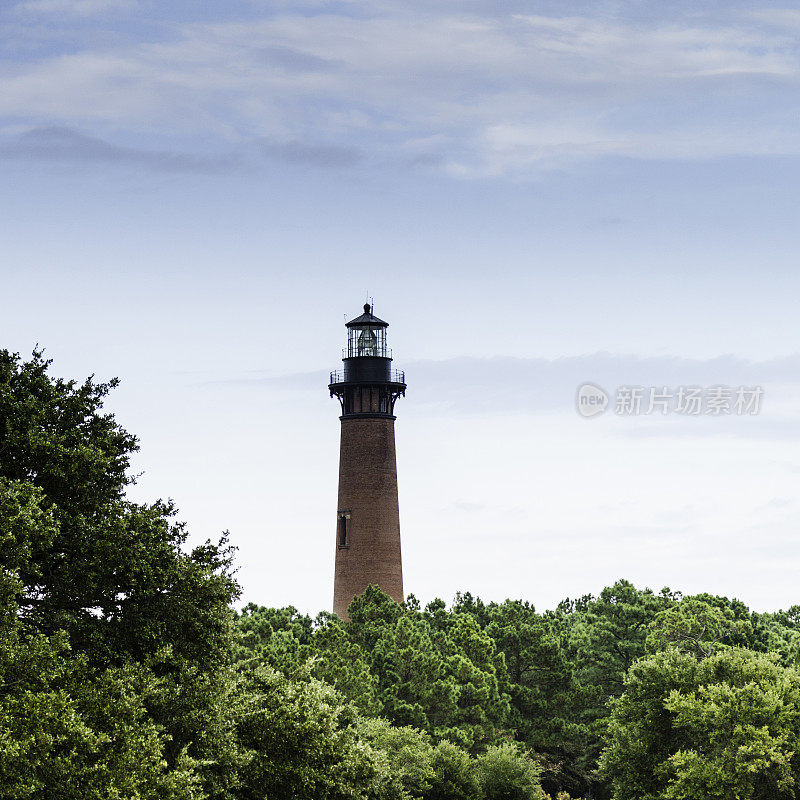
{"x":288,"y":641}
{"x":414,"y":686}
{"x":300,"y":741}
{"x":539,"y":678}
{"x":466,"y":603}
{"x":482,"y":709}
{"x":403,"y":757}
{"x":541,"y":685}
{"x":696,"y":627}
{"x":53,"y":434}
{"x":342,"y":663}
{"x":454,"y":775}
{"x":779,"y":633}
{"x":114,"y":575}
{"x":26,"y":528}
{"x":280,"y":637}
{"x":606,"y":635}
{"x":506,"y":773}
{"x":68,"y":731}
{"x":64,"y":736}
{"x":437,"y":671}
{"x":724,"y":726}
{"x":609,"y":633}
{"x":742,"y":632}
{"x":371,"y":615}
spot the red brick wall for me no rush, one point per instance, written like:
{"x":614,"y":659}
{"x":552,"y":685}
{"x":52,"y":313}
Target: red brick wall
{"x":368,"y":491}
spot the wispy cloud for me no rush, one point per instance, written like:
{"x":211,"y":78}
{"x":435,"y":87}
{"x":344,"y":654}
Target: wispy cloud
{"x":80,"y":8}
{"x":318,"y":155}
{"x":787,"y":19}
{"x":491,"y":92}
{"x":67,"y":145}
{"x":503,"y":385}
{"x":295,"y":60}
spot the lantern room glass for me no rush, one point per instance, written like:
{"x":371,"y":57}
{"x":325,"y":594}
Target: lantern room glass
{"x":366,"y":340}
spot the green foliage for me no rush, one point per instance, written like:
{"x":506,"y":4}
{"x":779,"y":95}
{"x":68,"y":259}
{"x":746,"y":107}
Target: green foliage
{"x":343,"y":664}
{"x":109,"y":572}
{"x":65,"y":730}
{"x":441,"y":672}
{"x":605,"y":636}
{"x":403,"y":758}
{"x":415,"y":689}
{"x":779,"y":633}
{"x":454,"y":776}
{"x":371,"y":614}
{"x":436,"y":671}
{"x":276,"y":636}
{"x":26,"y":529}
{"x":696,"y":627}
{"x":725,"y":726}
{"x":67,"y":736}
{"x":505,"y":773}
{"x":110,"y":581}
{"x":477,"y":670}
{"x":299,"y":741}
{"x":541,"y":684}
{"x":608,"y":634}
{"x":53,"y":434}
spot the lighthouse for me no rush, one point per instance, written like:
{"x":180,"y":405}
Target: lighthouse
{"x":367,"y":516}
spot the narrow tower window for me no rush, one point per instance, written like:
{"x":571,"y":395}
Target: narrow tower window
{"x":343,"y":532}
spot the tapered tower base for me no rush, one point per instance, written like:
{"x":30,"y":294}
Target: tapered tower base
{"x":368,"y":519}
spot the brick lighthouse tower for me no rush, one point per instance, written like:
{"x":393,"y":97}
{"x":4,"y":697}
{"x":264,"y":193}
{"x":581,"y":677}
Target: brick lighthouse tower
{"x":368,"y":519}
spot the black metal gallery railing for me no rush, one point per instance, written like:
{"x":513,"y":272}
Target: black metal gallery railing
{"x":395,"y":376}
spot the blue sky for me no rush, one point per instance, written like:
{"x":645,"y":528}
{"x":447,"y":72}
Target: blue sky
{"x":535,"y":194}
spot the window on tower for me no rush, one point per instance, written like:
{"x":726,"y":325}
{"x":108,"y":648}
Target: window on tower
{"x":342,"y":529}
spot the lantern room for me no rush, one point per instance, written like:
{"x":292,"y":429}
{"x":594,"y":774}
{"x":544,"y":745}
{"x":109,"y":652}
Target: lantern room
{"x":366,"y":336}
{"x":367,"y":386}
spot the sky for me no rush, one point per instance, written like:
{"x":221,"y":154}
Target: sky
{"x":536,"y":195}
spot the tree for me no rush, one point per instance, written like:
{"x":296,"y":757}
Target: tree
{"x":111,"y":574}
{"x":414,"y":686}
{"x":280,"y":637}
{"x":67,"y":731}
{"x":506,"y":773}
{"x":344,"y":665}
{"x":605,"y":637}
{"x":454,"y":776}
{"x":300,"y":741}
{"x":482,"y":709}
{"x":725,"y":726}
{"x":696,"y":627}
{"x":437,"y":671}
{"x":403,"y":757}
{"x":608,"y":634}
{"x":779,"y":632}
{"x":541,"y":685}
{"x":371,"y":614}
